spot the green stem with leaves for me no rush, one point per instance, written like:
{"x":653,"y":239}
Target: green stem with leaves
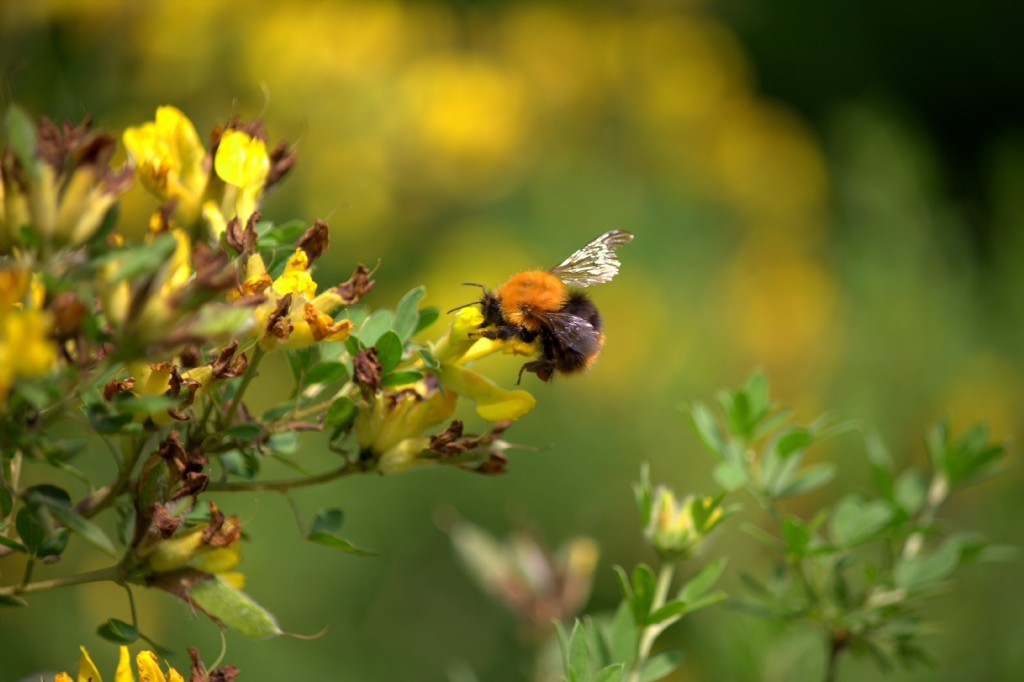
{"x":349,"y":468}
{"x":651,"y":632}
{"x":236,"y":400}
{"x":111,"y":573}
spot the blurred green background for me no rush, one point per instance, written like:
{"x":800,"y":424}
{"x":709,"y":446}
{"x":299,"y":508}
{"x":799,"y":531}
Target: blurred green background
{"x":833,"y":192}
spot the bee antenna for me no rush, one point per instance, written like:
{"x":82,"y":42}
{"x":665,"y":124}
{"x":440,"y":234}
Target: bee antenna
{"x":475,"y":284}
{"x":460,"y":307}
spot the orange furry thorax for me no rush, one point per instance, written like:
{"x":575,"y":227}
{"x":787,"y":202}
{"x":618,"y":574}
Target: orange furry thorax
{"x":530,"y":292}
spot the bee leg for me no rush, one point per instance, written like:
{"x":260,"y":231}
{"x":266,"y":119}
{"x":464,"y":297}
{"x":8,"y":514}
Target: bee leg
{"x":506,"y":332}
{"x":542,"y":368}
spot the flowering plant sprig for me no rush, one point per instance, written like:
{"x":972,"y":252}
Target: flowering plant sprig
{"x":146,"y":352}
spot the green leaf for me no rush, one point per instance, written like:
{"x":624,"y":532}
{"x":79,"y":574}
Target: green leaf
{"x":703,"y":581}
{"x":669,"y":610}
{"x":627,"y":589}
{"x":703,"y":424}
{"x":145,"y":404}
{"x":793,"y":441}
{"x":579,"y":665}
{"x":55,"y":543}
{"x":706,"y":601}
{"x":13,"y":544}
{"x":118,"y":632}
{"x":389,"y":350}
{"x":327,"y":521}
{"x":855,"y":521}
{"x":622,"y":639}
{"x":234,"y":608}
{"x":275,"y":413}
{"x":660,"y":664}
{"x":21,"y":136}
{"x":730,"y":476}
{"x":12,"y":600}
{"x":341,"y":413}
{"x":332,"y":540}
{"x":30,"y":530}
{"x":795,"y":534}
{"x":609,"y":674}
{"x":47,"y":494}
{"x":104,"y":422}
{"x":881,"y":463}
{"x":326,"y":372}
{"x":89,"y":531}
{"x":243,"y":432}
{"x":425,"y":318}
{"x":756,"y":389}
{"x":401,"y":378}
{"x":644,"y":586}
{"x":762,"y":536}
{"x":429,"y":361}
{"x":147,"y":258}
{"x":406,"y":315}
{"x":809,"y":480}
{"x":642,"y":495}
{"x":284,"y":443}
{"x":926,"y":570}
{"x":374,"y":327}
{"x":910,"y":491}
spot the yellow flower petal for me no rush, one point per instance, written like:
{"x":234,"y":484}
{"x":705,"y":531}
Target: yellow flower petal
{"x":234,"y":578}
{"x":218,"y":224}
{"x":124,"y":667}
{"x":149,"y":667}
{"x":402,"y":456}
{"x":297,"y":262}
{"x":242,"y":160}
{"x":87,"y":671}
{"x":219,"y":560}
{"x":295,"y":283}
{"x":493,"y":403}
{"x":62,"y":677}
{"x":174,"y":676}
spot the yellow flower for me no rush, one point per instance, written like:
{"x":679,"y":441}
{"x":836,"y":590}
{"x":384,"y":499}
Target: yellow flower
{"x":458,"y":347}
{"x":307,"y":318}
{"x":678,"y":527}
{"x":149,"y":669}
{"x":168,"y":157}
{"x":393,"y":426}
{"x":243,"y":163}
{"x":26,"y":348}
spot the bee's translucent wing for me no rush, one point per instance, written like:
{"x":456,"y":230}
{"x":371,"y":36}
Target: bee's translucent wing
{"x":595,"y":263}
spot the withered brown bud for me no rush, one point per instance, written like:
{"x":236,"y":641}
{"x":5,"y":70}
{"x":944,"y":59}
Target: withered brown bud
{"x":243,"y":240}
{"x":281,"y":162}
{"x":114,"y":387}
{"x":191,"y":356}
{"x":225,"y":673}
{"x":192,"y":483}
{"x":227,"y":365}
{"x":495,"y":465}
{"x":68,"y":312}
{"x":367,"y":370}
{"x":212,"y":271}
{"x":447,"y":442}
{"x":315,"y":240}
{"x":165,"y":524}
{"x":358,"y":285}
{"x":171,"y":451}
{"x":279,"y":323}
{"x":222,"y":532}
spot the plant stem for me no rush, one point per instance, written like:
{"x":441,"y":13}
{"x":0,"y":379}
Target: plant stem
{"x":236,"y":400}
{"x":295,"y":510}
{"x":280,"y":486}
{"x":651,"y":632}
{"x":839,"y":640}
{"x":111,"y":573}
{"x":131,"y":601}
{"x":105,"y":496}
{"x":29,"y":565}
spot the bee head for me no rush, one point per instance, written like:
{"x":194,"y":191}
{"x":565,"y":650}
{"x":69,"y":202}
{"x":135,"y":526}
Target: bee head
{"x":488,"y":304}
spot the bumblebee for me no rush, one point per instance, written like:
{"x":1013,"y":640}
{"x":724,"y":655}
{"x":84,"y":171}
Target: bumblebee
{"x":541,"y":307}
